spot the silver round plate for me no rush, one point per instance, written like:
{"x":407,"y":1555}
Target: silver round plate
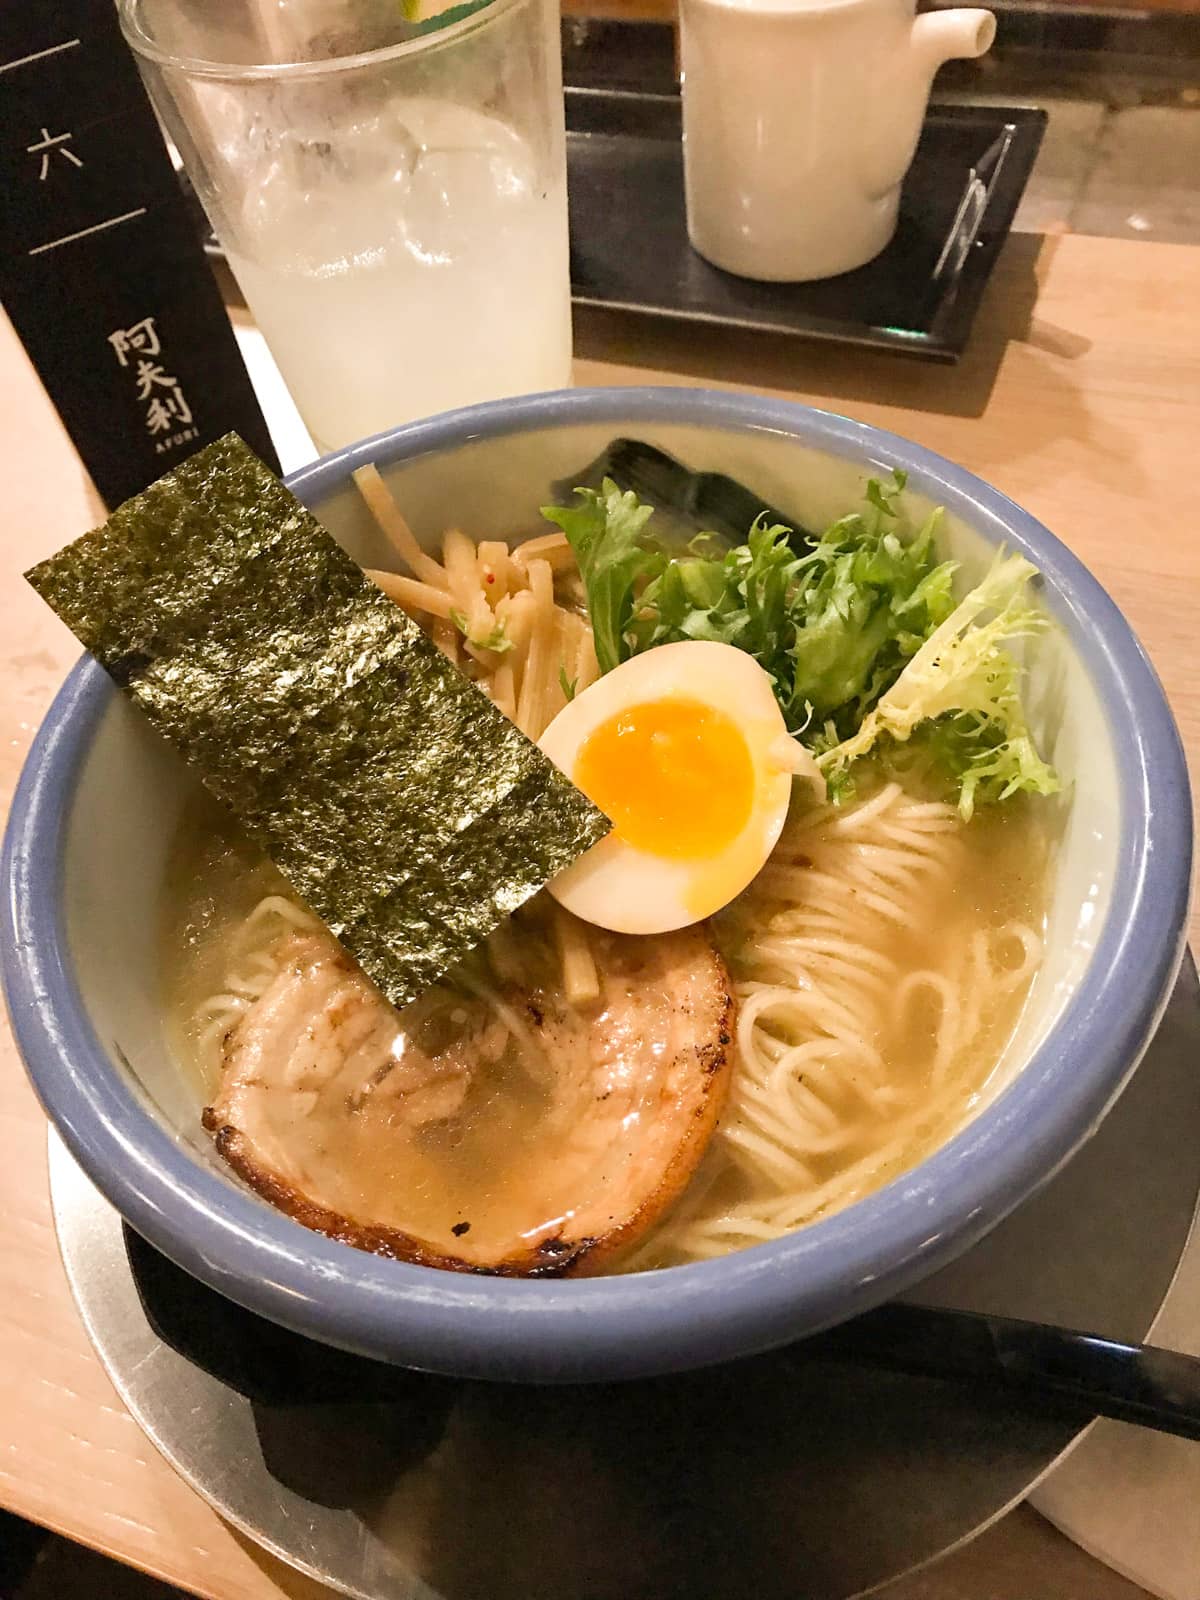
{"x":774,"y":1477}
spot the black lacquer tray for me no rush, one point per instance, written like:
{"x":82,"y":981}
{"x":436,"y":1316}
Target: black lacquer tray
{"x":630,"y":250}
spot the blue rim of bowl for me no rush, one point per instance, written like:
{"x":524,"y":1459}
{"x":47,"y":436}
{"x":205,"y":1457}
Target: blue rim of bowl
{"x":752,"y":1299}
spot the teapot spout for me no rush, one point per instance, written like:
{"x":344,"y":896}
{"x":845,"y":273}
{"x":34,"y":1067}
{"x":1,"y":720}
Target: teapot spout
{"x":894,"y":124}
{"x":958,"y":35}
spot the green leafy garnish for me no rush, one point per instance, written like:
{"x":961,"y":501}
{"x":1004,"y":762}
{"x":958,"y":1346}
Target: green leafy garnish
{"x":962,"y":690}
{"x":858,"y":631}
{"x":832,"y":623}
{"x":567,"y":685}
{"x":604,"y":530}
{"x":495,"y":639}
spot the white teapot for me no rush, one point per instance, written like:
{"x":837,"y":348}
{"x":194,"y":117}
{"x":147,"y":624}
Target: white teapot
{"x":800,"y":119}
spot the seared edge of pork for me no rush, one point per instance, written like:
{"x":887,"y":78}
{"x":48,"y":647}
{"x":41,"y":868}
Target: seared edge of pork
{"x":680,"y":975}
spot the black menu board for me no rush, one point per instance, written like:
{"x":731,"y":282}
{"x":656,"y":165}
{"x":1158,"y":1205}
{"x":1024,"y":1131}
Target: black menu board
{"x":101,"y":269}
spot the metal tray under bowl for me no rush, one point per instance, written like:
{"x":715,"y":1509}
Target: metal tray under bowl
{"x":778,"y":1477}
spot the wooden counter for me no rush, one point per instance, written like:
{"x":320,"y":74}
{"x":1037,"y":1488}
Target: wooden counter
{"x":1080,"y":398}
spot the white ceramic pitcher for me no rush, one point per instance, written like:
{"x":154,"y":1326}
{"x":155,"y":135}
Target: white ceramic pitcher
{"x":800,"y":118}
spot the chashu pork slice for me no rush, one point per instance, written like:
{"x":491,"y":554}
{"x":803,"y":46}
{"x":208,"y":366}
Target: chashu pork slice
{"x":497,"y":1128}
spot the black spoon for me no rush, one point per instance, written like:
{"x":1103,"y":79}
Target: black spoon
{"x":1036,"y":1362}
{"x":1080,"y":1374}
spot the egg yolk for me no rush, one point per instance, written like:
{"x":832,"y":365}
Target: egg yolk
{"x":675,"y":776}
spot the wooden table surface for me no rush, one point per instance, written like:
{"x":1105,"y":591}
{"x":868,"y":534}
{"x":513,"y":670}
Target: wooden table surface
{"x":1080,"y":399}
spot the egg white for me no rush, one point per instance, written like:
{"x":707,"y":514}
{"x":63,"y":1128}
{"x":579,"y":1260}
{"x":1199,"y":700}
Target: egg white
{"x":630,"y":890}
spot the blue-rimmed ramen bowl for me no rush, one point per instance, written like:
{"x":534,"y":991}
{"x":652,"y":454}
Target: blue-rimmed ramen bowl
{"x":101,"y":796}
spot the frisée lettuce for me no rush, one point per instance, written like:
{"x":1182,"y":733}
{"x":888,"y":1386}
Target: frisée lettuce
{"x":962,"y":687}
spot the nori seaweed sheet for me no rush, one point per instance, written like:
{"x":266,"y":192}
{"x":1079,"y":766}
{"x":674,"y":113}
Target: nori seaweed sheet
{"x":400,"y":804}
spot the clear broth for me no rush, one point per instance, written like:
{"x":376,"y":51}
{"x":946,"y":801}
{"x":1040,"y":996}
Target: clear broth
{"x":497,"y":1164}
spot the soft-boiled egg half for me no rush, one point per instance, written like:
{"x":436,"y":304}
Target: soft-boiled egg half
{"x":685,"y":749}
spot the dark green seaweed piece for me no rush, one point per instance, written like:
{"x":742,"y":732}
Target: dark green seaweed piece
{"x":685,"y":502}
{"x":405,"y":809}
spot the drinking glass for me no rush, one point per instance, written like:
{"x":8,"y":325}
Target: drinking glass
{"x":390,"y":196}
